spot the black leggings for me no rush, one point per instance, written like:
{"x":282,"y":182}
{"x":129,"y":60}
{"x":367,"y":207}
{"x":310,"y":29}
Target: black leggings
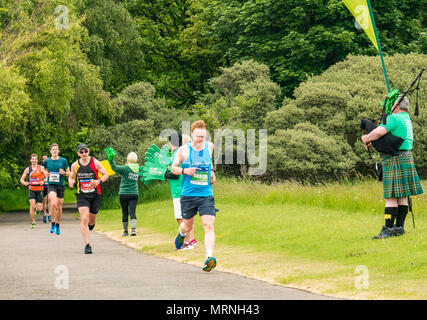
{"x":128,"y":203}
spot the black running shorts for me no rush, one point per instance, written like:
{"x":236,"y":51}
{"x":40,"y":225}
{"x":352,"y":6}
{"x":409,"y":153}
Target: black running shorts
{"x":36,"y":195}
{"x":58,"y":189}
{"x":91,"y":200}
{"x":191,"y":205}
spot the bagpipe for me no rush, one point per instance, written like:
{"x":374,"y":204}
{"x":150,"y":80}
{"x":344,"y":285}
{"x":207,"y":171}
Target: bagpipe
{"x":390,"y":144}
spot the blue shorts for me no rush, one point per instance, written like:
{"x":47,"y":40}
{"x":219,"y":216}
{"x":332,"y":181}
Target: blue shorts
{"x":203,"y":205}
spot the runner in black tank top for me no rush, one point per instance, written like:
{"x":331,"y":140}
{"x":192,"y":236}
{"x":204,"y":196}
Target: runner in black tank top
{"x":88,"y":195}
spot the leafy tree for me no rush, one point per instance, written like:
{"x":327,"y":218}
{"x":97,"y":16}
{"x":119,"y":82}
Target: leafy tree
{"x":138,"y":101}
{"x":306,"y":153}
{"x":297,"y":39}
{"x":337,"y":100}
{"x":114,"y":43}
{"x":242,"y":96}
{"x":173,"y":62}
{"x":51,"y":91}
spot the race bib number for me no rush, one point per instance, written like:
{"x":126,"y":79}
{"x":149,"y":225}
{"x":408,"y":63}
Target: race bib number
{"x":34,"y":182}
{"x":85,"y":185}
{"x":54,"y":177}
{"x":133,"y":176}
{"x":201,"y":177}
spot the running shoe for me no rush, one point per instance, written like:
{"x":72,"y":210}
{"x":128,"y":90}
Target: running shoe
{"x":33,"y":225}
{"x":194,"y":242}
{"x":179,"y":240}
{"x":210,"y":263}
{"x":57,"y":230}
{"x":186,"y":246}
{"x":49,"y":218}
{"x":125,"y":234}
{"x":44,"y":219}
{"x":88,"y":249}
{"x":133,"y":232}
{"x":52,"y":228}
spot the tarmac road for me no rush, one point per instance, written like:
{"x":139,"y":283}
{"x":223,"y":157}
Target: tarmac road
{"x":38,"y":265}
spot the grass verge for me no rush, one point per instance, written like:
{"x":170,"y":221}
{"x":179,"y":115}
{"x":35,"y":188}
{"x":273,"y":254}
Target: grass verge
{"x":17,"y":199}
{"x":316,"y":238}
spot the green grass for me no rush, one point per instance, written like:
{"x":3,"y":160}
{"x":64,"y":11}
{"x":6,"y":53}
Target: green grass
{"x":306,"y":236}
{"x":17,"y":199}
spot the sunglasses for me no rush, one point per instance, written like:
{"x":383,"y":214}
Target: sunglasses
{"x":83,"y":151}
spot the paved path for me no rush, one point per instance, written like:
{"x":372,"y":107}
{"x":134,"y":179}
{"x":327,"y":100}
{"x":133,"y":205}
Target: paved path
{"x":35,"y":264}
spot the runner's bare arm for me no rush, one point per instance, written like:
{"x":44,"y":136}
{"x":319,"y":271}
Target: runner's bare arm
{"x":213,"y":177}
{"x":24,"y":175}
{"x":45,"y":172}
{"x":72,"y":177}
{"x":67,"y":172}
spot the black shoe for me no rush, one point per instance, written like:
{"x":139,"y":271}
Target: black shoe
{"x":133,"y":233}
{"x":398,"y":231}
{"x":386,"y":232}
{"x":125,"y":234}
{"x":88,"y":249}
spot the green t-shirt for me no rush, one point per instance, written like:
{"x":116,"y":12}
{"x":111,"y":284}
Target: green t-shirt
{"x":53,"y":167}
{"x":175,"y":184}
{"x":399,"y":124}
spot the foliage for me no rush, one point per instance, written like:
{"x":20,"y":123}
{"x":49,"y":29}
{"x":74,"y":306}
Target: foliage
{"x":242,"y":96}
{"x":297,"y":39}
{"x":309,"y":154}
{"x":51,"y":93}
{"x":335,"y":102}
{"x":114,"y":43}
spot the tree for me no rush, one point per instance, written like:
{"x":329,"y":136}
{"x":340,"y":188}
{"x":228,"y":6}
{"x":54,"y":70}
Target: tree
{"x":52,"y":92}
{"x":114,"y":43}
{"x":334,"y":103}
{"x":298,"y":39}
{"x":242,"y":96}
{"x":173,"y":62}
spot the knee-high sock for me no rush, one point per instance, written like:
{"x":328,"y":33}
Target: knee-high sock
{"x":390,"y":214}
{"x":402,"y":212}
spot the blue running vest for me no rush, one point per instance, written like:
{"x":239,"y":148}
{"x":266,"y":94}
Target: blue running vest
{"x":198,"y":185}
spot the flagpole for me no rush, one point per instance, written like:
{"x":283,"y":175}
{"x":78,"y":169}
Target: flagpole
{"x":379,"y":45}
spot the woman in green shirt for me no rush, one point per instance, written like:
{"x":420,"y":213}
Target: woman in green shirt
{"x":128,"y":192}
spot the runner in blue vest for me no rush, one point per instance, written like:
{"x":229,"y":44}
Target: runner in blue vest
{"x":196,"y":192}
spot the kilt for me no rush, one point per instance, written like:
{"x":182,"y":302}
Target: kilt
{"x":400,"y":177}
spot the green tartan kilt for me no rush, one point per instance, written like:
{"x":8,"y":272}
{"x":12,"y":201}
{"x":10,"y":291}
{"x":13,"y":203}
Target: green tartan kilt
{"x":400,"y":177}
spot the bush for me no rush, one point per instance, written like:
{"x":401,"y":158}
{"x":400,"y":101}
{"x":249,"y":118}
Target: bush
{"x":335,"y":102}
{"x":306,"y":153}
